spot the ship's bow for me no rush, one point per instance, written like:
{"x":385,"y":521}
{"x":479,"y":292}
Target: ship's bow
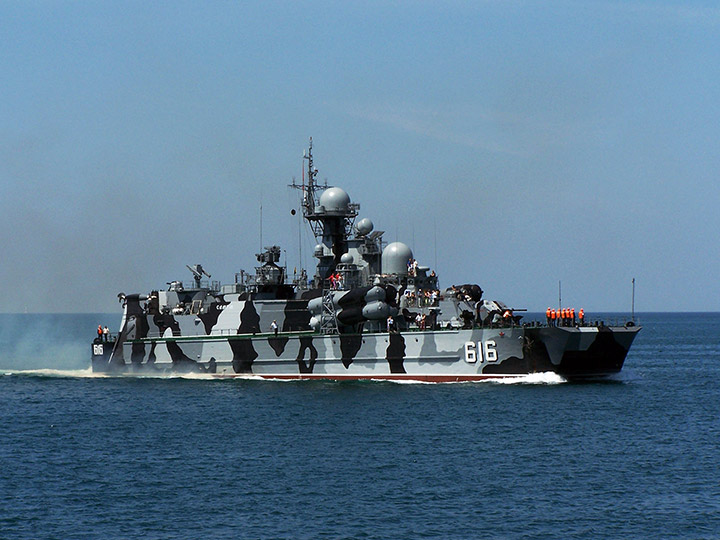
{"x":581,"y":352}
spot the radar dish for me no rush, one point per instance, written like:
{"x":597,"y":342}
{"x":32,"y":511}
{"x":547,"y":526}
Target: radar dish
{"x":335,"y":200}
{"x":364,"y":227}
{"x":395,"y":258}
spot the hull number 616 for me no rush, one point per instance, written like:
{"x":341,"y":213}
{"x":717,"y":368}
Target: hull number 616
{"x":484,"y":351}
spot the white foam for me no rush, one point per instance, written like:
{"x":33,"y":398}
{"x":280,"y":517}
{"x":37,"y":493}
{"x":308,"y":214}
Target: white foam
{"x":546,"y":377}
{"x":189,"y":376}
{"x":408,"y":381}
{"x":71,"y":373}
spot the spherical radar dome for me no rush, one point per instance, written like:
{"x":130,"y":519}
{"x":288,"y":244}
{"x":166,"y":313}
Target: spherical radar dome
{"x":364,"y":226}
{"x":335,"y":199}
{"x":395,"y":258}
{"x":346,"y":258}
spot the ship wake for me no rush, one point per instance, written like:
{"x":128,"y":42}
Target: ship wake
{"x":58,"y":373}
{"x":547,"y":377}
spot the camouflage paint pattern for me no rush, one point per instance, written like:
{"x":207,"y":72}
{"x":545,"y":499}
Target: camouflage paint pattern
{"x":235,"y":341}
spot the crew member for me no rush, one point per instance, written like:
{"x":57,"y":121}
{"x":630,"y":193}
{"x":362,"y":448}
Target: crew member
{"x":572,"y":316}
{"x":552,"y":317}
{"x":106,"y":333}
{"x":99,"y":332}
{"x":547,"y":315}
{"x":581,"y":317}
{"x":274,"y":327}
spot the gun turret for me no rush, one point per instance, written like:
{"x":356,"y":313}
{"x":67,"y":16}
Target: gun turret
{"x":271,"y":255}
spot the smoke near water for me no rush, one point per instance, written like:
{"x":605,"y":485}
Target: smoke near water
{"x":59,"y":342}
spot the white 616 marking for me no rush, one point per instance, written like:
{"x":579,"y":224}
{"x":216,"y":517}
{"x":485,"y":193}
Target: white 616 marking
{"x":485,"y":350}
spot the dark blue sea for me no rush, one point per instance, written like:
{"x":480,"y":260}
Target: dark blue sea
{"x":85,"y":457}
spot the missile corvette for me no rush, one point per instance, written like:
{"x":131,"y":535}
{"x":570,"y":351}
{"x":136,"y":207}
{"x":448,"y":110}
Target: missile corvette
{"x":369,"y":311}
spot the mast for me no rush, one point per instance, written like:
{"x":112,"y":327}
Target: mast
{"x":309,"y":192}
{"x":330,"y":216}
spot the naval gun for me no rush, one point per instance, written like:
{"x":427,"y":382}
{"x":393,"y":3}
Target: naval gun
{"x":271,"y":255}
{"x":269,"y":275}
{"x":198,"y":271}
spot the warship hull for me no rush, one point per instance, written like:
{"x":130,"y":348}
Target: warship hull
{"x":448,"y":355}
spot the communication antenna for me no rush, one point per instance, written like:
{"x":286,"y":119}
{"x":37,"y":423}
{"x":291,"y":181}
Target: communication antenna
{"x":559,"y":294}
{"x":632,"y":317}
{"x":435,"y":240}
{"x":299,"y":215}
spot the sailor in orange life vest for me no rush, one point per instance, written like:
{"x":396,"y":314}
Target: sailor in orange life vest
{"x":564,"y":317}
{"x":100,"y":332}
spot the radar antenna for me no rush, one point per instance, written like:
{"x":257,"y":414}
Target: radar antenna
{"x":197,"y":271}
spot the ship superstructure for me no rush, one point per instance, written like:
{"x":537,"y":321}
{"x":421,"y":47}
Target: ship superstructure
{"x":369,"y":310}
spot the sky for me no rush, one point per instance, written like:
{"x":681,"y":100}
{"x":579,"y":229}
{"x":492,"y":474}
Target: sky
{"x":518,"y":145}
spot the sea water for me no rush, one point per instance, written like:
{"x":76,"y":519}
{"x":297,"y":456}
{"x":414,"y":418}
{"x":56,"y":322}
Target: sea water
{"x":84,"y":456}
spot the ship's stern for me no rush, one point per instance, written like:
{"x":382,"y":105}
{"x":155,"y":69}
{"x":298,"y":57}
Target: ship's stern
{"x":101,"y":355}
